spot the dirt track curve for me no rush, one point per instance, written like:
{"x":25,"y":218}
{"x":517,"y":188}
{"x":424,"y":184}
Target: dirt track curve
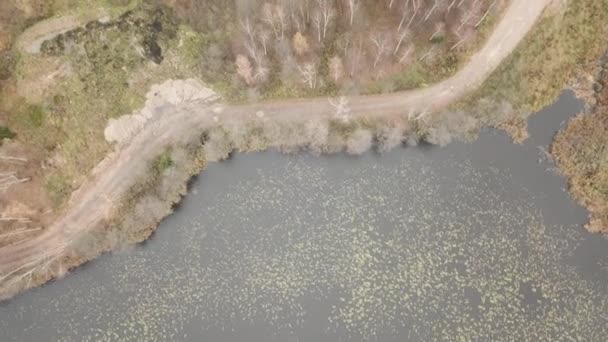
{"x":118,"y":171}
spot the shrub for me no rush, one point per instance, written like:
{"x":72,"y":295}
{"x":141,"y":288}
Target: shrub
{"x":6,"y":133}
{"x":162,"y":163}
{"x":59,"y":188}
{"x":35,"y":115}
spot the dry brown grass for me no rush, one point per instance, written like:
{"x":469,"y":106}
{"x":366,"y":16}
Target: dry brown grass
{"x":581,"y":152}
{"x":565,"y":43}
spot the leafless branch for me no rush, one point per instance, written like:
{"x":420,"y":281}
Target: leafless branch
{"x":485,"y":14}
{"x":20,"y":231}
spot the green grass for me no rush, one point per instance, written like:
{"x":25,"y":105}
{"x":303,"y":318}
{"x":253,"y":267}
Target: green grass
{"x":6,"y":133}
{"x":162,"y":163}
{"x":30,"y":121}
{"x":59,"y":188}
{"x":415,"y":76}
{"x":35,"y":116}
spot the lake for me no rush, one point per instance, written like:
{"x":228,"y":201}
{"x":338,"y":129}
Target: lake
{"x":475,"y":241}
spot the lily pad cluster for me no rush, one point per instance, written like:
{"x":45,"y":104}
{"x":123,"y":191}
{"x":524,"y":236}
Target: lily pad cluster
{"x":418,"y":250}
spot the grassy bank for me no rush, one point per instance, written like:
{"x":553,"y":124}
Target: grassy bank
{"x":562,"y":49}
{"x":581,"y":152}
{"x":567,"y":41}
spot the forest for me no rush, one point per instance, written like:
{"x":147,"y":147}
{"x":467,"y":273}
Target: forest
{"x":291,"y":48}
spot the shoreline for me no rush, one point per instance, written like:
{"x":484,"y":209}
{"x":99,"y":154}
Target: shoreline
{"x":51,"y":249}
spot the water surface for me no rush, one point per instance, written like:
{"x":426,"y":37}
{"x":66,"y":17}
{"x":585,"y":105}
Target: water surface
{"x":474,"y":241}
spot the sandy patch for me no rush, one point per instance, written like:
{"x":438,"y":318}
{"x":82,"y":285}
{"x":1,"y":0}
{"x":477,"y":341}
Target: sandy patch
{"x":160,"y":97}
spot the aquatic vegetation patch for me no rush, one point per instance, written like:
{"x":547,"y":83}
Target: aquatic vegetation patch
{"x":414,"y":250}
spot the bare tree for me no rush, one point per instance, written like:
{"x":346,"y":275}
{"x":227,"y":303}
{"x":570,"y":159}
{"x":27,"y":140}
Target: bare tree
{"x":292,"y":14}
{"x":269,"y":18}
{"x":353,"y":5}
{"x":10,"y":178}
{"x":344,"y":44}
{"x":452,"y":3}
{"x":439,"y":30}
{"x":274,"y":16}
{"x":309,"y":74}
{"x":415,"y":6}
{"x":318,"y":24}
{"x":404,"y":56}
{"x":355,"y":59}
{"x":459,"y":43}
{"x":261,"y":73}
{"x":436,"y":3}
{"x":304,"y":14}
{"x":429,"y":54}
{"x":252,"y":50}
{"x":336,"y":68}
{"x":264,"y":37}
{"x":485,"y":14}
{"x":403,"y":35}
{"x":380,"y":42}
{"x":467,"y":17}
{"x":19,"y":232}
{"x":324,"y":17}
{"x":244,"y":69}
{"x":297,"y":24}
{"x":248,"y":29}
{"x":342,"y":108}
{"x":281,"y":20}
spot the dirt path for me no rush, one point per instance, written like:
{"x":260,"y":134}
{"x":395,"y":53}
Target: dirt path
{"x":117,"y":172}
{"x":31,"y":40}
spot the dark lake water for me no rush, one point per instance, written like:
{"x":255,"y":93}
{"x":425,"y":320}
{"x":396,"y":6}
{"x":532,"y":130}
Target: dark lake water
{"x":472,"y":242}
